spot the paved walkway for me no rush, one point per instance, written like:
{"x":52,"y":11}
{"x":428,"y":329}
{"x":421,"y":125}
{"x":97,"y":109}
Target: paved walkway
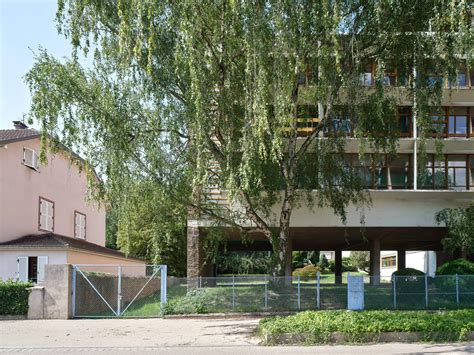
{"x":170,"y":336}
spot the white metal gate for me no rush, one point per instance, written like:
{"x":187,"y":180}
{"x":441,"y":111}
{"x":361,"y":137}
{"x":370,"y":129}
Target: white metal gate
{"x":101,"y":291}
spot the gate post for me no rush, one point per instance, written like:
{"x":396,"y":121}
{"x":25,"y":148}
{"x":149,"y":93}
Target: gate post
{"x":163,"y":284}
{"x":119,"y":292}
{"x":73,"y":291}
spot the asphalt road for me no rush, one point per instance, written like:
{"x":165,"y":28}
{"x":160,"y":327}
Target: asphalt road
{"x":173,"y":336}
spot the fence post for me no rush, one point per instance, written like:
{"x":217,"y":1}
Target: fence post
{"x":426,"y":290}
{"x":394,"y":292}
{"x":233,"y":292}
{"x":200,"y":282}
{"x":266,"y":295}
{"x":119,"y":292}
{"x":318,"y":295}
{"x":73,"y":291}
{"x":457,"y":289}
{"x":164,"y":275}
{"x":299,"y":293}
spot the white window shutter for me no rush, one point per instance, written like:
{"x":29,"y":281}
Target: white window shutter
{"x":22,"y":268}
{"x":42,"y":261}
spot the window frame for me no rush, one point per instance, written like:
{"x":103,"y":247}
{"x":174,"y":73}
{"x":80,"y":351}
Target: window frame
{"x":35,"y":159}
{"x":39,"y":214}
{"x":392,"y":261}
{"x":76,"y":213}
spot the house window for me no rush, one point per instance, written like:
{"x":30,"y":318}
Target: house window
{"x":30,"y":158}
{"x":404,"y":121}
{"x":31,"y":268}
{"x":457,"y":121}
{"x":79,"y":225}
{"x":389,"y":261}
{"x":46,"y":215}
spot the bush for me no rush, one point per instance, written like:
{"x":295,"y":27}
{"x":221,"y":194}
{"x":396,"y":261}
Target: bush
{"x":408,"y":272}
{"x":309,"y":271}
{"x":347,"y":265}
{"x":458,"y":266}
{"x":14,"y":297}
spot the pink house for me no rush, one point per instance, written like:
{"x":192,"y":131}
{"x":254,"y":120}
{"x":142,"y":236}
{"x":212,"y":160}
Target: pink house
{"x":45,"y":216}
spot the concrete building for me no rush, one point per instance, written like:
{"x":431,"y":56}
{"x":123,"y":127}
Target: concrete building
{"x":45,"y":217}
{"x":404,"y":201}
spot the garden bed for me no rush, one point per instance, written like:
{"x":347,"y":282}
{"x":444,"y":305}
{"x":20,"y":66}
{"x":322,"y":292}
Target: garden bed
{"x":341,"y":327}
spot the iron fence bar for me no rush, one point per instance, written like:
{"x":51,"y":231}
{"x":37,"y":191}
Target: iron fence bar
{"x":266,"y":293}
{"x":233,"y":292}
{"x":119,"y":291}
{"x":318,"y":291}
{"x":426,"y":290}
{"x":96,"y":291}
{"x":394,"y":292}
{"x":457,"y":289}
{"x":74,"y":291}
{"x":299,"y":292}
{"x":164,"y":284}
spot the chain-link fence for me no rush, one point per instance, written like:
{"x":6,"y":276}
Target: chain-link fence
{"x":141,"y":295}
{"x":118,"y":290}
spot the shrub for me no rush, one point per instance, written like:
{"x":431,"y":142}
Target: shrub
{"x":458,"y":266}
{"x":309,"y":271}
{"x":408,"y":272}
{"x":347,"y":265}
{"x":14,"y":297}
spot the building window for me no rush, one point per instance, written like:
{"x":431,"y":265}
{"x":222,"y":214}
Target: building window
{"x":79,"y":225}
{"x":389,"y":261}
{"x":457,"y":177}
{"x":447,"y":172}
{"x":46,"y":215}
{"x":30,"y":158}
{"x":457,"y":121}
{"x":404,"y":121}
{"x":31,"y":268}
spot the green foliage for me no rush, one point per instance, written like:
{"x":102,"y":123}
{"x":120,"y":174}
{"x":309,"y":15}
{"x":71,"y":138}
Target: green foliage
{"x":14,"y":297}
{"x":347,"y":265}
{"x":178,"y":86}
{"x":361,"y":260}
{"x":366,"y":326}
{"x":408,"y":272}
{"x":241,"y":263}
{"x":309,"y":271}
{"x":323,"y":262}
{"x":302,"y":258}
{"x":458,"y":266}
{"x":111,"y":228}
{"x":151,"y":226}
{"x":460,"y":224}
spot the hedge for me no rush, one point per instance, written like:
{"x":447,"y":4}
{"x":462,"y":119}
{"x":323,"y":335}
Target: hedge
{"x":318,"y":326}
{"x":458,"y":266}
{"x":14,"y":297}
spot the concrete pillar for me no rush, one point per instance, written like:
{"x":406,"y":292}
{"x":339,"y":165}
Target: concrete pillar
{"x":36,"y":303}
{"x":375,"y":261}
{"x":338,"y":266}
{"x":197,"y":265}
{"x":401,"y":259}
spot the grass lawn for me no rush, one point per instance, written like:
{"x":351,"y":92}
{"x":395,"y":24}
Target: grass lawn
{"x":365,"y":326}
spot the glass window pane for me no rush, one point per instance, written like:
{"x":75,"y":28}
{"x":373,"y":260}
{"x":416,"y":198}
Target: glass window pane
{"x":456,"y":160}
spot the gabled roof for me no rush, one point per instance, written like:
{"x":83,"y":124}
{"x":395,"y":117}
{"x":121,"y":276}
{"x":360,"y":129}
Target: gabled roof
{"x":52,"y":240}
{"x":16,"y":135}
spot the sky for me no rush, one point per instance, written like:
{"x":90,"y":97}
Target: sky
{"x":25,"y":25}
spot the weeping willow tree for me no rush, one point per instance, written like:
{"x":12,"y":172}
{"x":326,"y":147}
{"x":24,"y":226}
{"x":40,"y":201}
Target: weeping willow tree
{"x":188,"y":92}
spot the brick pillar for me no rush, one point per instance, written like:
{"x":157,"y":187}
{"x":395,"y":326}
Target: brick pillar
{"x":338,"y":266}
{"x":375,"y":261}
{"x":401,"y":259}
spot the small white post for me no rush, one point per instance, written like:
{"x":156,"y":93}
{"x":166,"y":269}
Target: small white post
{"x":457,"y":289}
{"x":299,"y":293}
{"x":318,"y":296}
{"x":119,"y":292}
{"x":233,"y":292}
{"x":200,"y":282}
{"x":426,"y":291}
{"x":164,"y":275}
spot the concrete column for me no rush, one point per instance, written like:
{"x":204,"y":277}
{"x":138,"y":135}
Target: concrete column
{"x":401,"y":259}
{"x":375,"y":261}
{"x":338,"y":266}
{"x":194,"y":253}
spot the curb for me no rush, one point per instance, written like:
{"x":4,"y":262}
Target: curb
{"x":227,"y":315}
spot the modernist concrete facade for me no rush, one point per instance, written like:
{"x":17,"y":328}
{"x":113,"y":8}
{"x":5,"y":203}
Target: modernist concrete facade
{"x":405,"y":197}
{"x":50,"y":201}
